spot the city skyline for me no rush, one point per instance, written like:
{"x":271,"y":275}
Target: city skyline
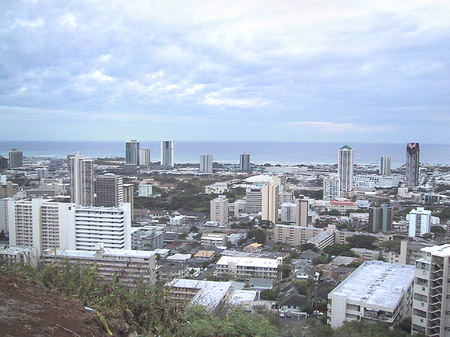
{"x":286,"y":71}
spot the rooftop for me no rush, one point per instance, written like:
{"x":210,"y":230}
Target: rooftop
{"x":440,"y":251}
{"x":376,"y":283}
{"x":107,"y":252}
{"x":249,"y":261}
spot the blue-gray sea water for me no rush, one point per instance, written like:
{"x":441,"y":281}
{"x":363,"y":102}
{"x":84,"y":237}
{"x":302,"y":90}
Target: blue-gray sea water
{"x":228,"y":152}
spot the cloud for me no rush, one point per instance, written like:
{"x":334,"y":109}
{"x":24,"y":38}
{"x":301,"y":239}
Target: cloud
{"x":339,"y":127}
{"x":68,"y":20}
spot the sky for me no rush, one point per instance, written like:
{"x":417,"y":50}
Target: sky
{"x":344,"y":71}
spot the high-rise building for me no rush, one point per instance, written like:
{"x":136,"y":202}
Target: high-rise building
{"x":42,"y":172}
{"x":39,"y":223}
{"x":15,"y":158}
{"x":244,"y":162}
{"x":109,"y":190}
{"x":380,"y":219}
{"x":331,"y":188}
{"x":144,"y":156}
{"x":253,"y":199}
{"x":345,"y":170}
{"x":219,"y":210}
{"x":412,"y":164}
{"x":385,"y":166}
{"x":167,"y":153}
{"x":128,"y":196}
{"x":132,"y":152}
{"x":301,"y":217}
{"x":430,"y":307}
{"x":288,"y":212}
{"x":4,"y":215}
{"x":419,"y":222}
{"x":3,"y":163}
{"x":81,"y":179}
{"x":206,"y":163}
{"x":269,"y":206}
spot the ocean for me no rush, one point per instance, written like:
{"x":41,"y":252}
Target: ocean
{"x":228,"y":152}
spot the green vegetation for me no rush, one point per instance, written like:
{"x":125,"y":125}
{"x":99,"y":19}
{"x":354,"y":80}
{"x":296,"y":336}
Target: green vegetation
{"x":362,"y":241}
{"x":268,"y":295}
{"x":258,"y":234}
{"x":338,"y":249}
{"x":391,"y":245}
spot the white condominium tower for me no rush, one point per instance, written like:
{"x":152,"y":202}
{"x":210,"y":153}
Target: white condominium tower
{"x":419,"y":222}
{"x":345,"y":170}
{"x":144,"y":156}
{"x":331,"y":188}
{"x":81,"y":179}
{"x":167,"y":153}
{"x":206,"y":163}
{"x":132,"y":152}
{"x":219,"y":210}
{"x":385,"y":166}
{"x":269,"y":204}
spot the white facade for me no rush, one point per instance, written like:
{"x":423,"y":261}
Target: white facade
{"x":377,"y":180}
{"x":110,"y":226}
{"x":376,"y":291}
{"x":206,"y":163}
{"x":385,"y":166}
{"x":178,"y":220}
{"x":244,"y":268}
{"x":219,"y":210}
{"x":81,"y":180}
{"x":39,"y":223}
{"x":419,"y":222}
{"x":4,"y":215}
{"x":345,"y":170}
{"x":42,"y":173}
{"x":217,"y":188}
{"x":288,"y":212}
{"x":144,"y":156}
{"x":331,"y":188}
{"x":253,"y":199}
{"x":269,"y":206}
{"x":145,"y":190}
{"x":167,"y":153}
{"x":213,"y":239}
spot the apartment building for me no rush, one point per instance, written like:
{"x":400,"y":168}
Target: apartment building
{"x":219,"y":210}
{"x":244,"y":268}
{"x":129,"y":266}
{"x":431,"y":305}
{"x":375,"y":292}
{"x":213,"y":239}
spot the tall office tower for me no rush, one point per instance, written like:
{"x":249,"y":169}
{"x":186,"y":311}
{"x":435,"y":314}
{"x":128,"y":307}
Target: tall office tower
{"x":331,"y":188}
{"x":167,"y":153}
{"x":380,"y":219}
{"x":132,"y":152}
{"x":288,"y":211}
{"x":3,"y":163}
{"x":128,"y":196}
{"x":253,"y":199}
{"x":412,"y":164}
{"x":269,"y":198}
{"x":39,"y":223}
{"x":206,"y":163}
{"x":219,"y":210}
{"x":385,"y":166}
{"x":15,"y":158}
{"x":108,"y":225}
{"x":345,"y":171}
{"x":430,"y":307}
{"x":244,"y":162}
{"x":144,"y":156}
{"x":81,"y":179}
{"x":108,"y":190}
{"x":419,"y":222}
{"x":301,"y":217}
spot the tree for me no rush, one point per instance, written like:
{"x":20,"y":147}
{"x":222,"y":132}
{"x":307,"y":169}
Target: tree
{"x":308,"y":246}
{"x":258,"y":234}
{"x":391,"y":245}
{"x":362,"y":241}
{"x":285,"y":271}
{"x":338,"y":249}
{"x":321,"y":260}
{"x":268,"y":295}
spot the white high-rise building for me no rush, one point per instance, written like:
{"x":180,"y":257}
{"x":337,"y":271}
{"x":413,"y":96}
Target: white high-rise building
{"x":81,"y":179}
{"x":132,"y":152}
{"x":4,"y":215}
{"x":253,"y":199}
{"x":331,"y":188}
{"x":39,"y":223}
{"x":288,"y":211}
{"x":269,"y":206}
{"x":167,"y":153}
{"x":42,"y":172}
{"x":110,"y":226}
{"x":244,"y":162}
{"x":219,"y":210}
{"x":430,"y":309}
{"x":419,"y":222}
{"x":206,"y":163}
{"x":385,"y":166}
{"x":345,"y":170}
{"x":145,"y":190}
{"x":144,"y":156}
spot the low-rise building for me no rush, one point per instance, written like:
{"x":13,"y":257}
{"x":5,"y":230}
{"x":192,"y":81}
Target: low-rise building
{"x":376,"y":291}
{"x":217,"y":188}
{"x":213,"y":239}
{"x":178,"y":220}
{"x":11,"y":255}
{"x":244,"y":268}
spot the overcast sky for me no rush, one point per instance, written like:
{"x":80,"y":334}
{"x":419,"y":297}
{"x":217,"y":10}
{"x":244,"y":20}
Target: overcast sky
{"x":366,"y":71}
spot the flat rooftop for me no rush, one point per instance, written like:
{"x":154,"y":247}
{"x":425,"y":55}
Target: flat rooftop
{"x":376,"y":283}
{"x":249,"y":261}
{"x":440,"y":251}
{"x":107,"y":252}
